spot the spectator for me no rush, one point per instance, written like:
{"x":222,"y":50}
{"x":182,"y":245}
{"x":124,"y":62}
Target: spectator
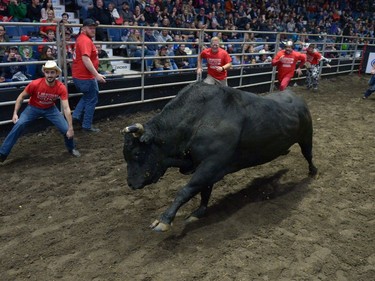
{"x":218,"y":62}
{"x":69,"y":46}
{"x":3,"y":38}
{"x":26,"y":51}
{"x":169,"y":5}
{"x":4,"y":11}
{"x":138,"y":16}
{"x":51,"y":37}
{"x":84,"y":7}
{"x":18,"y":10}
{"x":50,"y":19}
{"x":65,"y":20}
{"x":286,"y":61}
{"x":313,"y":58}
{"x":371,"y":84}
{"x":15,"y":72}
{"x":181,"y":62}
{"x":34,"y":11}
{"x":236,"y":59}
{"x":43,"y":93}
{"x":162,"y":36}
{"x":137,"y":49}
{"x":264,"y":58}
{"x":149,"y":37}
{"x":126,"y":13}
{"x":115,"y":14}
{"x":86,"y":76}
{"x":46,"y":6}
{"x":202,"y":18}
{"x":46,"y":54}
{"x":150,"y":16}
{"x":101,"y":15}
{"x":162,"y":62}
{"x":105,"y":66}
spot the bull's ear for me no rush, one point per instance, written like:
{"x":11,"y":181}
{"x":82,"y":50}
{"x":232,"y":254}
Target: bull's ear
{"x":146,"y":138}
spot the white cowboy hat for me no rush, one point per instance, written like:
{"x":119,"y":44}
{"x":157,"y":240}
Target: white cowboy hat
{"x":51,"y":65}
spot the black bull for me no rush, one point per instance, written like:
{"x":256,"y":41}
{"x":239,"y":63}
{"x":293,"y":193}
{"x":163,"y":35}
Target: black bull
{"x":213,"y":131}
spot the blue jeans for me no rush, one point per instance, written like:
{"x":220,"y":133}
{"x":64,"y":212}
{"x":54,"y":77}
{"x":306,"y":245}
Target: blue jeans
{"x":30,"y":114}
{"x":371,"y":87}
{"x":85,"y":108}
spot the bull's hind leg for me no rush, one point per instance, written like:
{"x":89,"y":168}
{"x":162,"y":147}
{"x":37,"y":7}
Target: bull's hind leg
{"x":202,"y":210}
{"x":306,"y":149}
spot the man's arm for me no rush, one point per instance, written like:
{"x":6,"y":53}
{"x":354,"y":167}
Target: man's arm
{"x":68,"y":116}
{"x":90,"y":67}
{"x":18,"y":105}
{"x":199,"y":64}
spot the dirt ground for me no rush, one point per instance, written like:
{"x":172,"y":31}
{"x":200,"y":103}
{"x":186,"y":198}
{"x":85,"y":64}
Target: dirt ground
{"x":72,"y":219}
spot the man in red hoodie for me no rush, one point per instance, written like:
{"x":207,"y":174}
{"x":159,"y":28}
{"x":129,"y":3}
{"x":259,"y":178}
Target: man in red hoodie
{"x":286,"y":61}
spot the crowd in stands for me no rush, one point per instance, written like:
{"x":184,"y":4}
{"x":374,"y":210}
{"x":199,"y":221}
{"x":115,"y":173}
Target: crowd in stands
{"x":298,"y":20}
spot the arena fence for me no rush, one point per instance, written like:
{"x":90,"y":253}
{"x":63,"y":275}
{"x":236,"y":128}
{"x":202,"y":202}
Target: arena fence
{"x":135,"y":82}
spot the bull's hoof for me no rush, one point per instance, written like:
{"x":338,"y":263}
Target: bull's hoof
{"x":191,"y":219}
{"x":313,"y":172}
{"x":159,"y":226}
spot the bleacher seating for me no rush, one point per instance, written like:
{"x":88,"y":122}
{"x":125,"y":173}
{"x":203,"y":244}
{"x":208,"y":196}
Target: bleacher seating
{"x":114,"y":34}
{"x":28,"y":30}
{"x":12,"y":31}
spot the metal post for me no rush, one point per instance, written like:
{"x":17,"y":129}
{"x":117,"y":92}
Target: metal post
{"x":274,"y":68}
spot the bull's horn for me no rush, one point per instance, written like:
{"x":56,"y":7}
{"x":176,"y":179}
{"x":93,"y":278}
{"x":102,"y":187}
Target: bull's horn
{"x":136,"y":129}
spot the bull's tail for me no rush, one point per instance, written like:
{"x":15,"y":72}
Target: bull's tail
{"x":306,"y":144}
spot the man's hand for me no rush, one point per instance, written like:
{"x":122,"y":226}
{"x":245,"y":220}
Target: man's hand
{"x":70,"y":133}
{"x":299,"y":71}
{"x":15,"y":118}
{"x":219,"y":68}
{"x":100,"y":78}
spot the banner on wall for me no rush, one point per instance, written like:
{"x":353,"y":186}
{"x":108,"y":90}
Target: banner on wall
{"x":370,"y":62}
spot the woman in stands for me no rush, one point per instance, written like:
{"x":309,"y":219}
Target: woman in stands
{"x":46,"y":54}
{"x":46,"y":6}
{"x":50,"y":19}
{"x":3,"y":38}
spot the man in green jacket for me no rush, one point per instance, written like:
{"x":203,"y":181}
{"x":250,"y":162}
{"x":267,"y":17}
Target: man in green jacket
{"x":17,"y":10}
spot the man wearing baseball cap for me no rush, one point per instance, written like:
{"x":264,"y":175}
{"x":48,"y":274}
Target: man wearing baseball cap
{"x":42,"y":94}
{"x":86,"y":76}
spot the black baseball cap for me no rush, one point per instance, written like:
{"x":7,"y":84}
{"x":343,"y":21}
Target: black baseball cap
{"x":89,"y":22}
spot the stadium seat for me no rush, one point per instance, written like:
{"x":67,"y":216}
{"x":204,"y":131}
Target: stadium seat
{"x":12,"y":31}
{"x":115,"y":34}
{"x":29,"y":30}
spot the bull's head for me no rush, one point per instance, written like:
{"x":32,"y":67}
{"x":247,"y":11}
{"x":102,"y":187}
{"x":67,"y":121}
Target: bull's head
{"x":143,"y":156}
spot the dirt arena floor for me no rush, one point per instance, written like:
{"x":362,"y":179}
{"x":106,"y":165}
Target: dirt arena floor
{"x":76,"y":219}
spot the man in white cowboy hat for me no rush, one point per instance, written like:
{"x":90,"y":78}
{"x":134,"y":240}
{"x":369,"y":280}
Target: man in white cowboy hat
{"x":42,"y":94}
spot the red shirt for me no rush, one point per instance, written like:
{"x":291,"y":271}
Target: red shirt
{"x":286,"y":63}
{"x":220,"y":58}
{"x":84,"y":47}
{"x":313,"y":58}
{"x":45,"y":28}
{"x":44,"y":96}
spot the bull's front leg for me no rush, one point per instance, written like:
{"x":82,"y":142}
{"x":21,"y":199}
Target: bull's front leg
{"x":183,"y":196}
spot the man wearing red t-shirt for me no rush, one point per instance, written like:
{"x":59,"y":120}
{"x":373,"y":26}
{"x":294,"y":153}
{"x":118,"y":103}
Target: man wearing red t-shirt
{"x":86,"y":76}
{"x":43,"y":93}
{"x":286,"y":61}
{"x":218,"y":62}
{"x":313,"y":58}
